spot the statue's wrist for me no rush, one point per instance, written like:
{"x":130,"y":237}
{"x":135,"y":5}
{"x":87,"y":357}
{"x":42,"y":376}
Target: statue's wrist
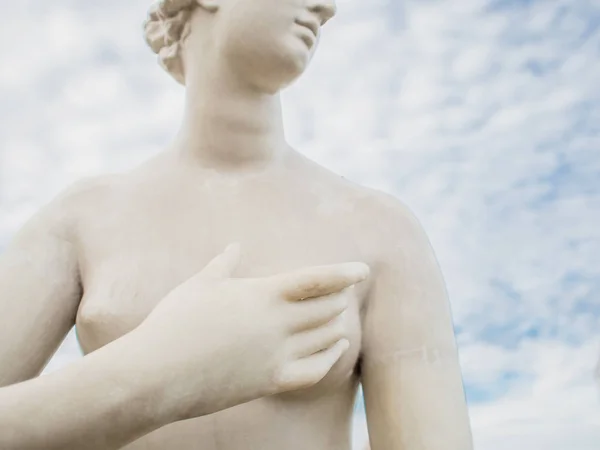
{"x":149,"y":388}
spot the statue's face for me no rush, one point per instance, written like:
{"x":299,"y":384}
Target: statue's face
{"x":270,"y":41}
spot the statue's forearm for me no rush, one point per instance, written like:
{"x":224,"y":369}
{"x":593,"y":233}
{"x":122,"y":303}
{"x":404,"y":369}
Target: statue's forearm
{"x":99,"y":402}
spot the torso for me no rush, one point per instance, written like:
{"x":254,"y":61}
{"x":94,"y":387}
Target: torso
{"x":147,"y":231}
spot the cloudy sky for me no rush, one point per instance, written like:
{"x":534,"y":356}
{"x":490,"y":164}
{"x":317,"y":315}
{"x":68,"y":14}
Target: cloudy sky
{"x":483,"y":116}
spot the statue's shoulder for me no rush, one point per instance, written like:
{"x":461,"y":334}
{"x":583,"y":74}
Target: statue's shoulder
{"x":108,"y":189}
{"x":388,"y":204}
{"x":60,"y":215}
{"x":383,"y":218}
{"x":87,"y":191}
{"x":377,"y":202}
{"x":89,"y":197}
{"x":367,"y":201}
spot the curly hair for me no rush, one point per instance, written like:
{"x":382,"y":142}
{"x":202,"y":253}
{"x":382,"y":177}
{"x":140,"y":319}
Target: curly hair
{"x":165,"y":28}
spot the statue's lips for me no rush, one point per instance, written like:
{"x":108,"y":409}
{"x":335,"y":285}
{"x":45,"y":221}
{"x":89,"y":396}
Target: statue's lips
{"x":308,"y":35}
{"x":311,"y":25}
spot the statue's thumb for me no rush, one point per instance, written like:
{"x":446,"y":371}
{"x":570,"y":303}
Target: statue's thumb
{"x":224,"y":264}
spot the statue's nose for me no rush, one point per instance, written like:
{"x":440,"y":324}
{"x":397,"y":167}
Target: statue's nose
{"x":324,"y":9}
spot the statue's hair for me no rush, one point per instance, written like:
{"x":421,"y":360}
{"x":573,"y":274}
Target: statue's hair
{"x":165,"y":28}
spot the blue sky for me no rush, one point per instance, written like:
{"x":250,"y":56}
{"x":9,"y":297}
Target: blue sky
{"x":483,"y":116}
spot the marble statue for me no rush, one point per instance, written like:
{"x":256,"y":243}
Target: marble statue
{"x":230,"y":176}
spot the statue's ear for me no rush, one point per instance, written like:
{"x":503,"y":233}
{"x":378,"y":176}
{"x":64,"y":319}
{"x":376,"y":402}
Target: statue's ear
{"x":209,"y":5}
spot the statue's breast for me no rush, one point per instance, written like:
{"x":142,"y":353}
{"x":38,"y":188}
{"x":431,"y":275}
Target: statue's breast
{"x":118,"y":295}
{"x":140,"y":248}
{"x":121,"y":290}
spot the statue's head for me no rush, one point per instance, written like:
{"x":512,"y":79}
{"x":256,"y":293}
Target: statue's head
{"x":268,"y":43}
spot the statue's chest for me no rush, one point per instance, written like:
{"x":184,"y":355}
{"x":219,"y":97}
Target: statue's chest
{"x":131,"y":262}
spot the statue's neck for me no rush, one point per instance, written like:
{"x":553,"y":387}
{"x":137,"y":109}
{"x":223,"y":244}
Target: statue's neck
{"x":231,"y":129}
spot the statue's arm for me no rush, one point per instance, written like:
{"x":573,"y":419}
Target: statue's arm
{"x":102,"y":401}
{"x":39,"y":290}
{"x":411,"y":378}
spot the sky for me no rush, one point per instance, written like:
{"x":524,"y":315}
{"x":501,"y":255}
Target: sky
{"x":482,"y":116}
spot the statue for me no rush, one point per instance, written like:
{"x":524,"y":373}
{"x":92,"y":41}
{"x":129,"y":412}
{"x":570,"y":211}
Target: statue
{"x":230,"y":176}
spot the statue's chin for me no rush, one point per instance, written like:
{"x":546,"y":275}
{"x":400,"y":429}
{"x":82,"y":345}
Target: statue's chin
{"x":268,"y":68}
{"x":275,"y":73}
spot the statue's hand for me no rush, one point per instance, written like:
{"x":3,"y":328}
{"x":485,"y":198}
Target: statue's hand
{"x":216,"y":341}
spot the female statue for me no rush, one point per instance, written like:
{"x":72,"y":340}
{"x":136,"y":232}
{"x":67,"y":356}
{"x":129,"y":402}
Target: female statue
{"x":229,"y":175}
